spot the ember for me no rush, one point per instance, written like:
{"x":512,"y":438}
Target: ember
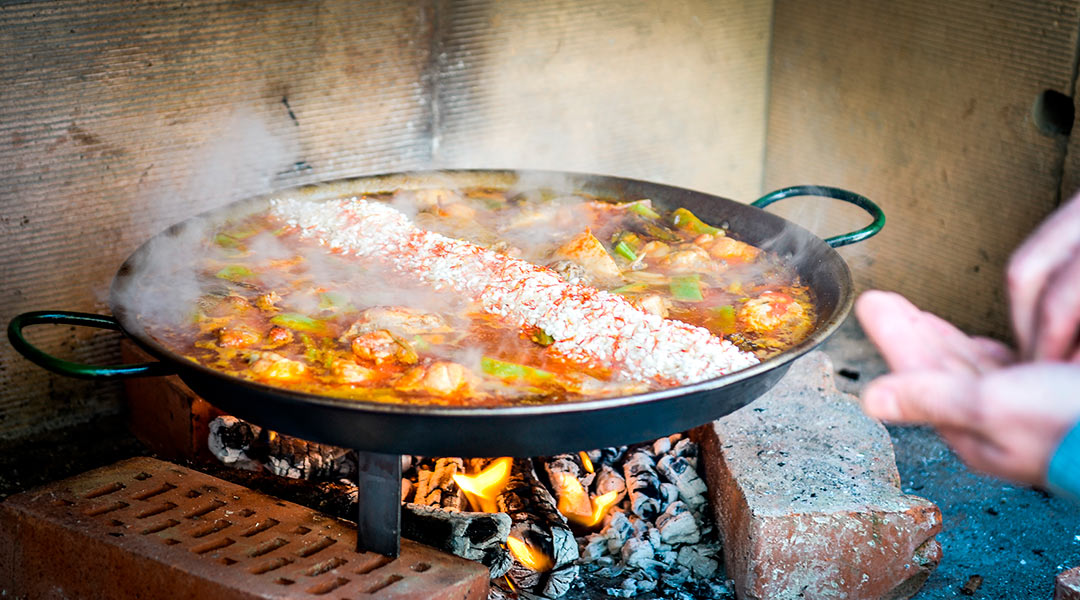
{"x":640,"y":511}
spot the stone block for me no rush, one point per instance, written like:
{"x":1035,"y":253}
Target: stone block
{"x":1067,"y":585}
{"x":808,"y":500}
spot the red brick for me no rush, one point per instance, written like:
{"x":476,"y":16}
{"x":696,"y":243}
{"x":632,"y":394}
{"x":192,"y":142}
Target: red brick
{"x":808,"y":497}
{"x":165,"y":415}
{"x":144,"y":528}
{"x":1067,"y":585}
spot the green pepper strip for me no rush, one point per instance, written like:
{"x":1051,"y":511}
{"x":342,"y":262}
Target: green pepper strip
{"x":684,"y":219}
{"x":508,"y":370}
{"x":624,"y":250}
{"x":234,"y":272}
{"x":643,"y":209}
{"x":299,"y":322}
{"x":541,"y":337}
{"x":687,"y":289}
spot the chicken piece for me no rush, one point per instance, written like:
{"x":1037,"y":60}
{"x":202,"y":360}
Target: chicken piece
{"x":237,"y":336}
{"x":688,"y":259}
{"x":347,"y":371}
{"x":276,"y":366}
{"x":770,"y":311}
{"x":398,"y":320}
{"x":265,"y":302}
{"x":278,"y":336}
{"x":652,"y":303}
{"x":440,"y":378}
{"x":587,"y":251}
{"x":724,"y":248}
{"x":381,"y":346}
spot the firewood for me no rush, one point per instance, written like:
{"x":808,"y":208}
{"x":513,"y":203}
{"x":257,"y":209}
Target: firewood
{"x":436,"y":487}
{"x":570,"y":482}
{"x":249,"y":446}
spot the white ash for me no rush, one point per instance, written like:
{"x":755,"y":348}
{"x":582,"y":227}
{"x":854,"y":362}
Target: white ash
{"x":670,"y":553}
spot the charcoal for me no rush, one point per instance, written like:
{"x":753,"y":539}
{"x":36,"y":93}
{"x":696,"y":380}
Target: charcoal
{"x":642,"y":483}
{"x":618,"y":530}
{"x":558,"y":581}
{"x":677,"y":525}
{"x":669,"y":492}
{"x":606,"y":456}
{"x":406,"y":490}
{"x":229,"y":440}
{"x":661,"y":446}
{"x":699,"y":560}
{"x":636,"y":551}
{"x":679,"y":471}
{"x":595,"y":546}
{"x":609,"y":480}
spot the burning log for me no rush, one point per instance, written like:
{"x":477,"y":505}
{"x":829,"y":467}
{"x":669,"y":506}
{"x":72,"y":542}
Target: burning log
{"x":472,"y":535}
{"x":570,"y":480}
{"x":436,"y":486}
{"x":540,"y":538}
{"x":246,"y":446}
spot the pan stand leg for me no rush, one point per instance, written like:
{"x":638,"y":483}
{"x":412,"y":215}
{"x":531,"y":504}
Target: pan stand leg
{"x":379,"y":499}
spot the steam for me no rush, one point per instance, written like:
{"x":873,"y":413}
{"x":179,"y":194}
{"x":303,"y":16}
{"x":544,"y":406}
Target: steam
{"x":242,"y":157}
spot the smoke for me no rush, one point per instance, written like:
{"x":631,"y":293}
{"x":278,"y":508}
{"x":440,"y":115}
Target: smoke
{"x":242,"y":156}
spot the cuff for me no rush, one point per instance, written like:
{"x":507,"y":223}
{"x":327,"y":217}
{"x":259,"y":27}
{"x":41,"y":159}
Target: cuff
{"x":1063,"y":475}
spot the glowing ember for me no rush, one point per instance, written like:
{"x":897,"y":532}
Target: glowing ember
{"x":482,"y":488}
{"x":585,"y":461}
{"x":529,"y":556}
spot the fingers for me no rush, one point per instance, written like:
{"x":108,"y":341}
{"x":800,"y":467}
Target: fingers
{"x":891,"y":323}
{"x":1049,"y":247}
{"x":910,"y":339}
{"x":1058,"y":315}
{"x":924,"y":397}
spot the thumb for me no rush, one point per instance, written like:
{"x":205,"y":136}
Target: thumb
{"x":948,"y":399}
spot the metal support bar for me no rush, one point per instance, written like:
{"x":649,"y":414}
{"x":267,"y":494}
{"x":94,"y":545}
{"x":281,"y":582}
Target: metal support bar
{"x":378,"y":479}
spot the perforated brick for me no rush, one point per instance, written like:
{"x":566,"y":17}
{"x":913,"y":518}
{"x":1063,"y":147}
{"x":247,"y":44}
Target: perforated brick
{"x":144,"y":528}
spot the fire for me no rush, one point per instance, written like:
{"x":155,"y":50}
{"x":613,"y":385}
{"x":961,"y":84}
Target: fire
{"x":601,"y":504}
{"x":481,"y":489}
{"x":585,"y":461}
{"x":576,"y":506}
{"x":529,"y":556}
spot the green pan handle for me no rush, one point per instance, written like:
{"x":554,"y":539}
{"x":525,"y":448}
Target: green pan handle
{"x":72,"y":369}
{"x":830,"y":192}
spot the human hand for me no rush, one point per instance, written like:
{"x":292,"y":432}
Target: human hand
{"x":1043,"y":281}
{"x":999,"y":417}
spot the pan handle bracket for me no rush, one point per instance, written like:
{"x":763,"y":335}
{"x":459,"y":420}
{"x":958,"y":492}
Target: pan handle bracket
{"x":74,"y":369}
{"x":836,"y":193}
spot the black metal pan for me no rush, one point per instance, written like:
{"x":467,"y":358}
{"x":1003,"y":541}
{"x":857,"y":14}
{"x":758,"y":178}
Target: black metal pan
{"x":501,"y":431}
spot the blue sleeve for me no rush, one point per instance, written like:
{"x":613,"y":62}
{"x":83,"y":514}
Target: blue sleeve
{"x":1064,"y":472}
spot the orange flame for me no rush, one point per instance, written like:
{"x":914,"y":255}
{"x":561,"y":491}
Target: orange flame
{"x":482,"y":488}
{"x":601,"y":504}
{"x":529,"y":556}
{"x":585,"y":461}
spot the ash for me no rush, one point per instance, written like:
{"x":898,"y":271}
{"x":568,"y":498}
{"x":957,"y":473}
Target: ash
{"x":660,"y":540}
